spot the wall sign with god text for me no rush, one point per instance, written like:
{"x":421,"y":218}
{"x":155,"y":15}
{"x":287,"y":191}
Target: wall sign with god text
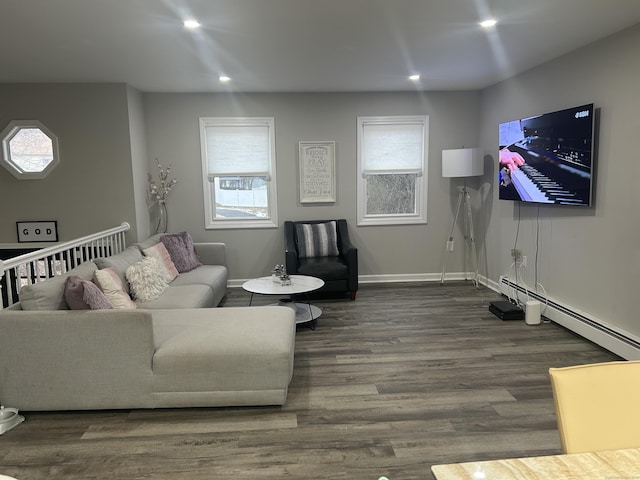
{"x":317,"y":172}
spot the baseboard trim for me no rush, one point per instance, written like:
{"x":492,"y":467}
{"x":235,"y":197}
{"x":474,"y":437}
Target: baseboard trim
{"x":594,"y":329}
{"x":392,"y":278}
{"x":412,"y":277}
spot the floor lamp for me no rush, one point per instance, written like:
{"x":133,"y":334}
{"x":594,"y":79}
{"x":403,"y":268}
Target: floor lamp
{"x":462,"y":162}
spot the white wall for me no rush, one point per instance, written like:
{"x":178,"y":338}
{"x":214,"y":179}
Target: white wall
{"x":173,"y":137}
{"x":91,"y":189}
{"x":140,"y":165}
{"x":587,"y":258}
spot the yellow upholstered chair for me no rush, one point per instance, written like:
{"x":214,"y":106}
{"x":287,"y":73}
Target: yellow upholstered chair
{"x":597,"y":406}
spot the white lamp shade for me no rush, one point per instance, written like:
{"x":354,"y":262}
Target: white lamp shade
{"x":462,"y":162}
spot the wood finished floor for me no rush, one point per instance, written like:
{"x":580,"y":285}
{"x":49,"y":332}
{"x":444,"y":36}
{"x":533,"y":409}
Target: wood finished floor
{"x":407,"y":376}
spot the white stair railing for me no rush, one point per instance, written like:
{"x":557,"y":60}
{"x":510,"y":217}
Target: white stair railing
{"x":52,"y":261}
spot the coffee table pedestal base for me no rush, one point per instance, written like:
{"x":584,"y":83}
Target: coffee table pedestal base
{"x":305,"y":313}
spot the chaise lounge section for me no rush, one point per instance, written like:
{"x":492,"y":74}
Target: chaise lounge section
{"x":109,"y":359}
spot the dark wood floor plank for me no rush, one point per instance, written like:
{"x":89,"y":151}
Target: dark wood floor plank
{"x":406,"y":376}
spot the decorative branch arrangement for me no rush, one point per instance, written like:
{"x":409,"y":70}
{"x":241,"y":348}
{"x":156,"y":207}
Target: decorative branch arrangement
{"x":160,"y":192}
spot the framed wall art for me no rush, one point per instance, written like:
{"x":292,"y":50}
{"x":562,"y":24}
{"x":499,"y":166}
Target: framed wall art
{"x":317,"y":172}
{"x":46,"y":231}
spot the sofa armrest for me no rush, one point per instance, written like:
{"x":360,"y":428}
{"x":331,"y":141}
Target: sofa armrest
{"x":212,"y":253}
{"x":76,"y":360}
{"x":349,"y":253}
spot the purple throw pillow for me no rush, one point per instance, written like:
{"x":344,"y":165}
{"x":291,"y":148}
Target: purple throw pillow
{"x":84,"y":295}
{"x":181,"y":250}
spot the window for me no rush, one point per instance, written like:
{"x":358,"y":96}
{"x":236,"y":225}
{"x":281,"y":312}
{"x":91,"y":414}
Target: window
{"x":392,"y":170}
{"x":239,"y":172}
{"x":29,"y":149}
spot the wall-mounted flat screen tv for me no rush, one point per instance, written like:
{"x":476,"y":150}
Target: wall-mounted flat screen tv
{"x":548,"y":158}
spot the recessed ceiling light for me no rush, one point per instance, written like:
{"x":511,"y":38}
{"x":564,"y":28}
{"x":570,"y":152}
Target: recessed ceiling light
{"x":191,"y":24}
{"x":224,"y":78}
{"x":488,"y":23}
{"x":414,"y":78}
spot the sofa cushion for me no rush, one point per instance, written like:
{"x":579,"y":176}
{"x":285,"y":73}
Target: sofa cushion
{"x":160,"y":252}
{"x":214,"y":276}
{"x":317,"y":239}
{"x":326,"y":268}
{"x":146,"y":279}
{"x":49,"y":294}
{"x":182,"y":252}
{"x":109,"y":282}
{"x":229,"y":349}
{"x":84,"y":295}
{"x":120,"y":262}
{"x":183,"y":296}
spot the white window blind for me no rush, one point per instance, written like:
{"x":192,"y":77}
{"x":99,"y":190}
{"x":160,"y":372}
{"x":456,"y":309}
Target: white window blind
{"x":238,"y":150}
{"x":392,"y":147}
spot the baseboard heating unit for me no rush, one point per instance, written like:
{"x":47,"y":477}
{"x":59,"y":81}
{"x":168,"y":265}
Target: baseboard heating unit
{"x":619,"y":342}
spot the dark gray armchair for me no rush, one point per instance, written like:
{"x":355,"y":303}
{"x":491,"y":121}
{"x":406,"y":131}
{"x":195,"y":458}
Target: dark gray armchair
{"x":315,"y":248}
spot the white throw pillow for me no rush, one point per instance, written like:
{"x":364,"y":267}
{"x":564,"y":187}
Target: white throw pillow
{"x":109,"y":282}
{"x":160,"y":252}
{"x":146,"y":279}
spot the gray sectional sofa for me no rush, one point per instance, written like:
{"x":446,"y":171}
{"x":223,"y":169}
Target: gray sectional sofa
{"x":169,"y":352}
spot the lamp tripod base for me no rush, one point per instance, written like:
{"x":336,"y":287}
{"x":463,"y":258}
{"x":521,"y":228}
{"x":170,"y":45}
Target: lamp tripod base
{"x":464,"y":203}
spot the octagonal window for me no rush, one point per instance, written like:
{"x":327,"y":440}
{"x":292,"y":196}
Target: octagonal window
{"x":29,"y":149}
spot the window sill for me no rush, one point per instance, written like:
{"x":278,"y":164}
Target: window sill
{"x":237,"y":224}
{"x":409,"y":220}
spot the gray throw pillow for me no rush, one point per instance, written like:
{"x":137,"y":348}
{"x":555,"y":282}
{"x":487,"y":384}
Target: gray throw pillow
{"x":317,"y":239}
{"x":181,"y":250}
{"x":84,"y":295}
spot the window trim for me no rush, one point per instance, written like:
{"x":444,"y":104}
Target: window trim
{"x":210,"y":223}
{"x":9,"y":132}
{"x":420,"y":217}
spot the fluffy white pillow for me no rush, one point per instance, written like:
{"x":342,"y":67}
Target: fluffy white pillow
{"x":146,"y":279}
{"x":160,"y":252}
{"x":109,"y":282}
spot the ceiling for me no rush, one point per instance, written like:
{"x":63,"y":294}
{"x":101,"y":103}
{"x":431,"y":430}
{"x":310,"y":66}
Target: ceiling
{"x":295,"y":45}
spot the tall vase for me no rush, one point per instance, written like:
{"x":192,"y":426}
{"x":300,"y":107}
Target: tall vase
{"x":163,"y":219}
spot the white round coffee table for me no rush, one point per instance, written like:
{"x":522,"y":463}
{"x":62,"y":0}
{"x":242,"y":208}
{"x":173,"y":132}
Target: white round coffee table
{"x":305,"y":312}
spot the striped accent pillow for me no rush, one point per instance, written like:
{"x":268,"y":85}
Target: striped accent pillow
{"x":317,"y":239}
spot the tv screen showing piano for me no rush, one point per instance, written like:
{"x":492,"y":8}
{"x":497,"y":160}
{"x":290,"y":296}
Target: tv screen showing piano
{"x":548,"y":158}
